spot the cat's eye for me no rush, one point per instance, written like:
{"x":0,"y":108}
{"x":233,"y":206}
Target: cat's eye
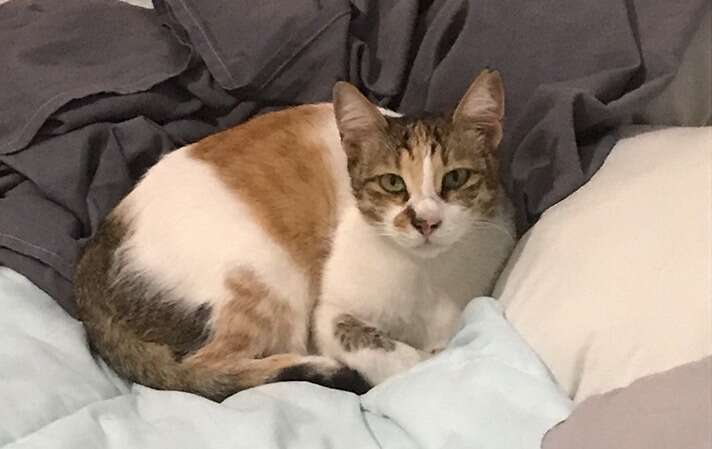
{"x":454,"y":179}
{"x":392,"y":183}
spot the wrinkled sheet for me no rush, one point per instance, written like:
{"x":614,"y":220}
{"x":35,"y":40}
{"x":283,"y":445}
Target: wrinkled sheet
{"x":487,"y":390}
{"x":93,"y":92}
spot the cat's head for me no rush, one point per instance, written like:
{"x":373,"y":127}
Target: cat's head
{"x":424,"y":181}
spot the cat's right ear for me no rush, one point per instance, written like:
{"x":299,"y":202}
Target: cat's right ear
{"x":356,"y":117}
{"x":482,"y":106}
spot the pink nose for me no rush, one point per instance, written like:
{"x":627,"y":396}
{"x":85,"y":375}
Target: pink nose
{"x":425,"y":227}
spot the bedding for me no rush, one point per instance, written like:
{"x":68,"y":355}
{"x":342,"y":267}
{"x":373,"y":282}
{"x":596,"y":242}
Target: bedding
{"x":671,"y":410}
{"x":486,"y":390}
{"x":131,"y":84}
{"x":686,"y":100}
{"x":614,"y":283}
{"x":77,"y":131}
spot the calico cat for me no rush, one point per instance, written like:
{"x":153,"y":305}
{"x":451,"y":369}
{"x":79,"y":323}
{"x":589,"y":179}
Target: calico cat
{"x":333,"y":243}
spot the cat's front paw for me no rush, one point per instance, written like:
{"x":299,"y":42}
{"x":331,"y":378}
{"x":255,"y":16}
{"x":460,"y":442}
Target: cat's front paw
{"x":428,"y":353}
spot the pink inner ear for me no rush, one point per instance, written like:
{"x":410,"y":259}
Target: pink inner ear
{"x":353,"y":111}
{"x":482,"y":106}
{"x":494,"y":131}
{"x":483,"y":101}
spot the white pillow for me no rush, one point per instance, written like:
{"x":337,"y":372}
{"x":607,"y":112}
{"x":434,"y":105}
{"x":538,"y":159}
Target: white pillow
{"x":615,"y":282}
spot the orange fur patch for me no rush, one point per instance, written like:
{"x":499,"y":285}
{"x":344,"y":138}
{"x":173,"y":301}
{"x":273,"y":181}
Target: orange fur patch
{"x":253,"y":324}
{"x":278,"y":164}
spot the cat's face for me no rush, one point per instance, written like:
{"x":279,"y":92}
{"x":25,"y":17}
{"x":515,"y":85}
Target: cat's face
{"x":424,"y":182}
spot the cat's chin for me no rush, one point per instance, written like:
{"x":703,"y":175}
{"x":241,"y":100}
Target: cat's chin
{"x":428,"y":250}
{"x":419,"y":247}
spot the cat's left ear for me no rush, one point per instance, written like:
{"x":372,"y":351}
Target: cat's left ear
{"x":356,"y":117}
{"x":482,"y":106}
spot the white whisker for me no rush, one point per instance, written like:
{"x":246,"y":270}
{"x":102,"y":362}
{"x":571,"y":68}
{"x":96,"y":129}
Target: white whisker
{"x":490,"y":224}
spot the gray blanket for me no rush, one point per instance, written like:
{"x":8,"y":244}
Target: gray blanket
{"x":93,"y":92}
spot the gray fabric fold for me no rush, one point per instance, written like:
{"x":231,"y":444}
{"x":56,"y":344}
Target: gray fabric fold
{"x":54,"y":52}
{"x":574,"y":71}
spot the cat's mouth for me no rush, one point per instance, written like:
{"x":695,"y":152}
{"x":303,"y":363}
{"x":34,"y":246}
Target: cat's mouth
{"x":428,"y":248}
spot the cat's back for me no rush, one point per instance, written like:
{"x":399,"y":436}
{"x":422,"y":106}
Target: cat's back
{"x":262,"y":197}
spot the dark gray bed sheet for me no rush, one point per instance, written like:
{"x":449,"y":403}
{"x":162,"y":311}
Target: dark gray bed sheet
{"x":93,"y":92}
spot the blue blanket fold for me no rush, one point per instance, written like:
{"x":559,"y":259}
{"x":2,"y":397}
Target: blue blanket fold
{"x":487,"y":390}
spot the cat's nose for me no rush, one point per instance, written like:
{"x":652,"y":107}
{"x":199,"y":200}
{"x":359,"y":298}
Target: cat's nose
{"x":425,"y":226}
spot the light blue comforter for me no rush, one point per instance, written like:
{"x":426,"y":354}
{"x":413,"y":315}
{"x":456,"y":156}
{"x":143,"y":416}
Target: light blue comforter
{"x":487,"y":390}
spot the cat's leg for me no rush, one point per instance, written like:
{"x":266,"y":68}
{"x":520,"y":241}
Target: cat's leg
{"x":361,"y":345}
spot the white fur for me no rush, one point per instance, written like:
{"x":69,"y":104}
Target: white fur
{"x":426,"y":203}
{"x":389,"y":113}
{"x":414,"y":299}
{"x":190,"y":232}
{"x":428,"y":185}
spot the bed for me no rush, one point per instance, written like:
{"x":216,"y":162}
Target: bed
{"x":598,"y":334}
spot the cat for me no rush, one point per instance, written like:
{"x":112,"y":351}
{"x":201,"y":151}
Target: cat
{"x":335,"y":243}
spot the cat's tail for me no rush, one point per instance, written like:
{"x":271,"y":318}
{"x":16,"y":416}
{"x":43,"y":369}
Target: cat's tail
{"x":217,"y":377}
{"x":212,"y":374}
{"x":225,"y":377}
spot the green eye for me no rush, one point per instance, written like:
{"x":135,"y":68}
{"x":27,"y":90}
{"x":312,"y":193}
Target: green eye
{"x":455,"y":179}
{"x":392,"y":183}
